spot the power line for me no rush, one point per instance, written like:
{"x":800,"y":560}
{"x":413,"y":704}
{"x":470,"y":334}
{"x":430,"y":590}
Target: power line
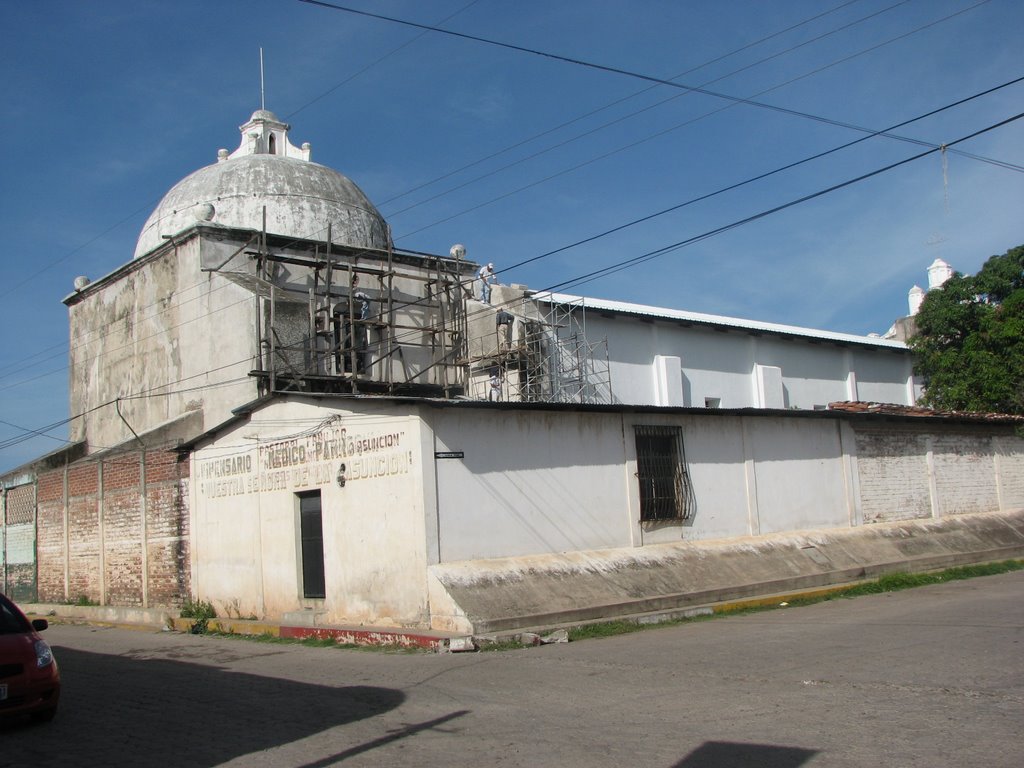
{"x":71,"y":253}
{"x":434,"y":28}
{"x":613,"y":103}
{"x":605,"y":67}
{"x":666,"y":131}
{"x":618,"y":266}
{"x":604,"y":271}
{"x":648,"y":108}
{"x":375,"y":62}
{"x":577,"y":243}
{"x":649,"y":255}
{"x":765,"y":175}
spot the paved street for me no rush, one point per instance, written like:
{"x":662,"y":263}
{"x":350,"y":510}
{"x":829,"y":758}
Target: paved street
{"x":926,"y":677}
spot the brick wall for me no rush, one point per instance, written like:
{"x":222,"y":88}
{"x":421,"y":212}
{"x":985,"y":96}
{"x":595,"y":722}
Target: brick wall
{"x":893,"y":473}
{"x":167,"y":528}
{"x":50,"y":535}
{"x":107,"y":542}
{"x":965,"y":473}
{"x":1010,"y":452}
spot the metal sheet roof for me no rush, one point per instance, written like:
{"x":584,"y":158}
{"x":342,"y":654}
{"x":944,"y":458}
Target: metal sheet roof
{"x":719,"y":321}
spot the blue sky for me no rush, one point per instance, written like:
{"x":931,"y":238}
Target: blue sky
{"x":107,"y":104}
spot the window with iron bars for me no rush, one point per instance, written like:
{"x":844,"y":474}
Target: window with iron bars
{"x":665,"y":490}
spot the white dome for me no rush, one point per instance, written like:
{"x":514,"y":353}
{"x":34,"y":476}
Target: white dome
{"x":301,"y":197}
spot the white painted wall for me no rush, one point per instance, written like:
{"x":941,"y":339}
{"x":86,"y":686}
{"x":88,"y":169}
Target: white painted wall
{"x":246,"y":547}
{"x":535,"y":482}
{"x":799,"y":472}
{"x":434,"y":483}
{"x":529,"y":482}
{"x":720,"y":364}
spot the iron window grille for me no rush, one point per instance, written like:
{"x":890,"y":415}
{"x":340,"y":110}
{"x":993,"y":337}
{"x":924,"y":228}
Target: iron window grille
{"x":665,"y":489}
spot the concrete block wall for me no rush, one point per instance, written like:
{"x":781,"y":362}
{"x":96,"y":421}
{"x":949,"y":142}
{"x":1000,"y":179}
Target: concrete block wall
{"x":1010,"y":463}
{"x":893,"y":473}
{"x":965,"y":474}
{"x":104,"y":539}
{"x":909,"y":472}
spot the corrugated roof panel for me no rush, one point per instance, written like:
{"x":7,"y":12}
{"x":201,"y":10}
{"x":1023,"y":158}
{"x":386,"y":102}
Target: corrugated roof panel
{"x":717,"y":320}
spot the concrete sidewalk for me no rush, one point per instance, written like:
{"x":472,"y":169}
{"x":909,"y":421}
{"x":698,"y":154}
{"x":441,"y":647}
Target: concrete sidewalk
{"x":157,"y":620}
{"x":499,"y":599}
{"x":164,"y":619}
{"x":503,"y":595}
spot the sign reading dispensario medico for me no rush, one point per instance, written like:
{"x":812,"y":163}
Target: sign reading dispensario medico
{"x":332,"y":453}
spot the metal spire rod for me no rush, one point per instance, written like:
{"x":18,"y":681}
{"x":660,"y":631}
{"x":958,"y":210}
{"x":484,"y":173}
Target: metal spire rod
{"x":263,"y":103}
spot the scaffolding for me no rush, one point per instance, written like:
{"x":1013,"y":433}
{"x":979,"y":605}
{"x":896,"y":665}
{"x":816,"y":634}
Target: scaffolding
{"x":537,"y":352}
{"x":331,"y":318}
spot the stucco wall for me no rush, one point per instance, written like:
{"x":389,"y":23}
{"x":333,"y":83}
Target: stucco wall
{"x":157,"y":334}
{"x":247,"y":556}
{"x":533,"y":482}
{"x":433,"y":484}
{"x":529,"y":482}
{"x":719,"y":365}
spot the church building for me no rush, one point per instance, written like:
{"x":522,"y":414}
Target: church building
{"x":278,"y":411}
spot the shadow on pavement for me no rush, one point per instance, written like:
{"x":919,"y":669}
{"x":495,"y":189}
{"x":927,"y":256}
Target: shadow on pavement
{"x":728,"y":754}
{"x":122,"y":711}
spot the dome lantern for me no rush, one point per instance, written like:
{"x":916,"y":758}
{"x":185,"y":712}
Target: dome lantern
{"x":264,"y":134}
{"x":267,"y":171}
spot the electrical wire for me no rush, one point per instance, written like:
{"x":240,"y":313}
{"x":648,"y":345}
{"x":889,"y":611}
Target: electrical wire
{"x":582,"y":279}
{"x":605,"y":67}
{"x":604,"y":271}
{"x":611,"y":104}
{"x":375,"y":62}
{"x":664,"y":250}
{"x":592,"y":238}
{"x":670,"y":129}
{"x":619,"y":266}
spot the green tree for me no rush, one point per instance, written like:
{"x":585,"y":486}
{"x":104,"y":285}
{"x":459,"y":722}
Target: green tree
{"x":969,"y":345}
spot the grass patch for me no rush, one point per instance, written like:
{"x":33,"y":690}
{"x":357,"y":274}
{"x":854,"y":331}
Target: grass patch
{"x":83,"y":600}
{"x":893,"y":582}
{"x":890,"y":582}
{"x":200,"y":612}
{"x":612,"y":628}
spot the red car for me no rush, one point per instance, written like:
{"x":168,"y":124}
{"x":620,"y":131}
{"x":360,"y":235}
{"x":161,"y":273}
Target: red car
{"x":29,"y":678}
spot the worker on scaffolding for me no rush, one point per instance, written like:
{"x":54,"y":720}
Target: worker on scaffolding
{"x":503,"y":323}
{"x":354,"y":341}
{"x":494,"y":386}
{"x":487,"y":278}
{"x":362,"y":301}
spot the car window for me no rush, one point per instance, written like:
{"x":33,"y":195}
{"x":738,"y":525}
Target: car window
{"x":11,"y":622}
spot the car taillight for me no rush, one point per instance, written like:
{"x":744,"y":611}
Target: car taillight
{"x":44,"y":655}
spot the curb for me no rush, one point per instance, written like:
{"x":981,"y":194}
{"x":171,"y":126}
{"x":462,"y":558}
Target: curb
{"x":369,"y":636}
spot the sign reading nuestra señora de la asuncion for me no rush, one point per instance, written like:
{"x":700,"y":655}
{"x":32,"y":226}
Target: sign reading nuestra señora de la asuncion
{"x":332,"y":453}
